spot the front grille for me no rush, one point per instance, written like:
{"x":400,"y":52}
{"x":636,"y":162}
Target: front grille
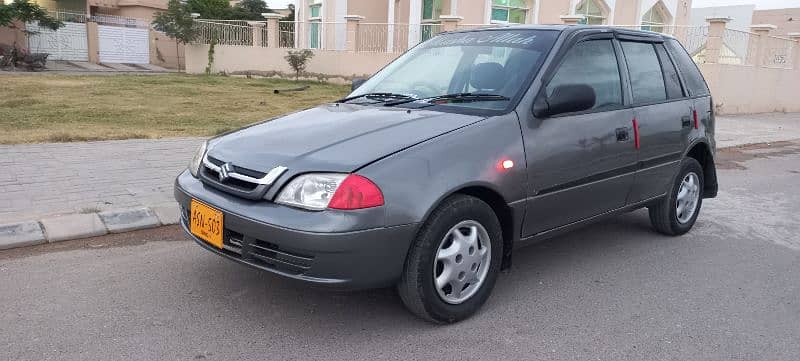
{"x":238,"y":187}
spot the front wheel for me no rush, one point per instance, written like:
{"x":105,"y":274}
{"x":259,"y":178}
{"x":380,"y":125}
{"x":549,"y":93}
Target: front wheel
{"x":676,"y":213}
{"x":454,"y":262}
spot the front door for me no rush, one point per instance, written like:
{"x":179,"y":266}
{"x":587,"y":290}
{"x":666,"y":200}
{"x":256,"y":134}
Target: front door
{"x":580,"y":164}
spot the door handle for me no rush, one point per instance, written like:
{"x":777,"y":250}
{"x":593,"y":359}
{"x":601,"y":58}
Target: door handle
{"x":623,"y":135}
{"x":686,"y":121}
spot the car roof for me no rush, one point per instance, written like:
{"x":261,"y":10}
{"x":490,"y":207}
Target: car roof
{"x":571,"y":29}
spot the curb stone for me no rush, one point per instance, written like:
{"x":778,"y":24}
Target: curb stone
{"x":21,"y":234}
{"x":73,"y":226}
{"x":124,"y":220}
{"x":84,"y":225}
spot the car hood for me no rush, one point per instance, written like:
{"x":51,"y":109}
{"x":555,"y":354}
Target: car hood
{"x":332,"y":137}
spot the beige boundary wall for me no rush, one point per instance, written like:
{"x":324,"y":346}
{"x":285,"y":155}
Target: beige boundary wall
{"x":756,"y":85}
{"x":743,"y":89}
{"x":326,"y":65}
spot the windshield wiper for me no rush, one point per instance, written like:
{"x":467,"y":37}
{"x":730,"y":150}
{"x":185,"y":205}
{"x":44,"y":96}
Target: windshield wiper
{"x":375,"y":95}
{"x":453,"y":98}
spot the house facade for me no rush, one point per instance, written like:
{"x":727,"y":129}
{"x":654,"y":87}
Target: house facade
{"x":421,"y":18}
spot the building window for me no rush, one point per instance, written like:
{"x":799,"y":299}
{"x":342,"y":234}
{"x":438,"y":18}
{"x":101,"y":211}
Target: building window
{"x":592,"y":13}
{"x":314,"y":25}
{"x":653,"y":20}
{"x":315,"y":10}
{"x":509,"y":11}
{"x":431,"y":9}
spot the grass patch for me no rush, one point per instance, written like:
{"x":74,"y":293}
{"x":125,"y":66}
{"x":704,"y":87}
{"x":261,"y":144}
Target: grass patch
{"x":62,"y":108}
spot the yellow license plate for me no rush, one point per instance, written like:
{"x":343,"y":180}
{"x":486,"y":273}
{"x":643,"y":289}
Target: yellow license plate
{"x":206,"y":222}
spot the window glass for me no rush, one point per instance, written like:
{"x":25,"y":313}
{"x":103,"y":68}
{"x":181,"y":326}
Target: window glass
{"x":647,"y":81}
{"x":499,"y":14}
{"x":314,"y":34}
{"x":592,"y":63}
{"x":315,"y":10}
{"x":671,"y":79}
{"x":431,"y":9}
{"x":692,"y":78}
{"x":509,"y":11}
{"x":592,"y":14}
{"x":457,"y":63}
{"x":653,"y":20}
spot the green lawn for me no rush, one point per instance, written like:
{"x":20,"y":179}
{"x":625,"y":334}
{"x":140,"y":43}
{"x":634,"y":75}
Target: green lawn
{"x":61,"y":108}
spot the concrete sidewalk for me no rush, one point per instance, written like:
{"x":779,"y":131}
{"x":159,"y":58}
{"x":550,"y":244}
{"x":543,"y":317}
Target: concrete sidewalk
{"x":87,"y":188}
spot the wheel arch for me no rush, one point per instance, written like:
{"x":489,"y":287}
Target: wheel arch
{"x":701,"y":152}
{"x":504,"y":212}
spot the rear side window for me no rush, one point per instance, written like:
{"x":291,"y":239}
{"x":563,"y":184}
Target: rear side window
{"x":593,"y":63}
{"x":647,"y":80}
{"x":671,"y":80}
{"x":692,"y":78}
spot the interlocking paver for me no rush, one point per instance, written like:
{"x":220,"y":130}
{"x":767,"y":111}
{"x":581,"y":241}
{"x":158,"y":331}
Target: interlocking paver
{"x":60,"y":178}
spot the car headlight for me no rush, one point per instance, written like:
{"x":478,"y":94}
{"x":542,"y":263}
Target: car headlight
{"x":317,"y":191}
{"x":197,"y":160}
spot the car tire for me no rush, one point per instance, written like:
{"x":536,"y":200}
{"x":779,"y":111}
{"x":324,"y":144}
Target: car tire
{"x":668,"y":216}
{"x":436,"y":244}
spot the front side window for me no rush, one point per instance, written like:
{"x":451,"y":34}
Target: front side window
{"x":593,"y":63}
{"x":647,"y":80}
{"x":481,"y":62}
{"x":509,"y":11}
{"x":591,"y":11}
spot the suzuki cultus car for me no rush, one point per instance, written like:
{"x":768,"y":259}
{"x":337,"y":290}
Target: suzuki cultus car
{"x":473,"y":143}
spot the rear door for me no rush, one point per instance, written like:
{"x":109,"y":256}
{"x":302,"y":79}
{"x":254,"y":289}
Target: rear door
{"x":580,"y":164}
{"x":662,"y":115}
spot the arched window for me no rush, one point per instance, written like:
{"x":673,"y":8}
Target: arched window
{"x":654,"y":19}
{"x":592,"y":12}
{"x":509,"y":11}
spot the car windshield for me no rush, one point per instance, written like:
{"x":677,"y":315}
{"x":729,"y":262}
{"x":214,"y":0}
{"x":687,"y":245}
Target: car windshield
{"x":466,"y":66}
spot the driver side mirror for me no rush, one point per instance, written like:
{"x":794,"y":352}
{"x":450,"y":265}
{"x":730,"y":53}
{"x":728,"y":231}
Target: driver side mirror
{"x":357,"y":82}
{"x":565,"y":98}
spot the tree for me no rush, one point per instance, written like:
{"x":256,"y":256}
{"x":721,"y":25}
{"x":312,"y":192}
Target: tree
{"x":210,"y":9}
{"x":298,"y":60}
{"x":26,"y":12}
{"x":252,"y":9}
{"x":177,"y":23}
{"x":290,"y":16}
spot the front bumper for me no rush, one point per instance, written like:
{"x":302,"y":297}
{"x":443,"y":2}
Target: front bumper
{"x":358,"y":259}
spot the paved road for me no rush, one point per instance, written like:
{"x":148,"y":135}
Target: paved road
{"x":97,"y":176}
{"x":729,"y":290}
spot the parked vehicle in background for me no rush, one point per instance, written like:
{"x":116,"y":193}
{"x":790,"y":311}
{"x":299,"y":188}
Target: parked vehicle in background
{"x":471,"y":144}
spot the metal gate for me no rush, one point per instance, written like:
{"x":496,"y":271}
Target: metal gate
{"x":66,"y":43}
{"x":123,"y":44}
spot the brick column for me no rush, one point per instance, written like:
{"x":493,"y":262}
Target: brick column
{"x":450,"y":22}
{"x":93,"y":42}
{"x":762,"y":42}
{"x":256,"y":27}
{"x":352,"y":31}
{"x":571,"y":19}
{"x":716,"y":27}
{"x":273,"y":29}
{"x":795,"y":50}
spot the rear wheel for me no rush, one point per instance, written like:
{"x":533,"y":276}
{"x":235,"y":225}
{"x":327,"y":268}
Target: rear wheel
{"x":454,"y":262}
{"x":676,"y":213}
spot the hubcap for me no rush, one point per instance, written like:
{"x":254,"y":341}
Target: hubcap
{"x":688,"y":195}
{"x":462,"y":262}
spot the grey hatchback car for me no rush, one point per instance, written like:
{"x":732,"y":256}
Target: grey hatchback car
{"x":469,"y":145}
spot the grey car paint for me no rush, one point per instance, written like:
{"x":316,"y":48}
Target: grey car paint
{"x":567,"y":170}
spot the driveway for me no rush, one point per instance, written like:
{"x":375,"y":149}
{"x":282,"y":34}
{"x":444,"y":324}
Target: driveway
{"x":616,"y":290}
